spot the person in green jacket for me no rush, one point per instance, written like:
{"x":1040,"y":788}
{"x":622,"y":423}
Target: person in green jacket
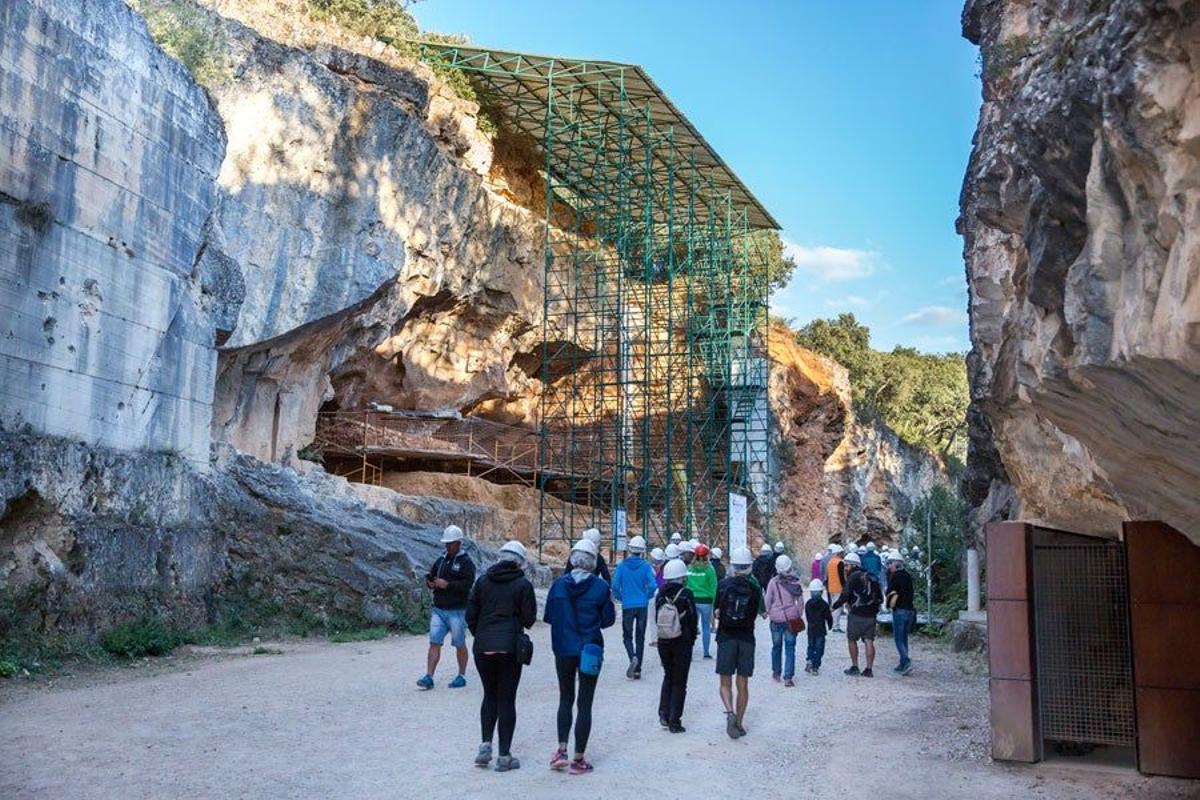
{"x":702,"y":581}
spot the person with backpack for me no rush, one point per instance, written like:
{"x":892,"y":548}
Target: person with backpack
{"x":900,"y":601}
{"x":739,"y":601}
{"x":676,"y":626}
{"x":863,"y":598}
{"x":578,"y":606}
{"x":785,"y":610}
{"x":702,"y":580}
{"x":820,"y":620}
{"x":633,"y":585}
{"x":451,"y":578}
{"x":500,"y":608}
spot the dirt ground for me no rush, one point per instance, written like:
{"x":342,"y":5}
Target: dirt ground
{"x":322,"y":720}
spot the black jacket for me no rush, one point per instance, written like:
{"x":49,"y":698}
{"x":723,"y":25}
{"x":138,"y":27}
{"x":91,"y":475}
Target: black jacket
{"x":501,"y":605}
{"x":818,"y":617}
{"x":601,"y":570}
{"x":719,"y":568}
{"x":901,"y":583}
{"x":459,"y":572}
{"x":763,"y":569}
{"x":855,"y":596}
{"x":685,"y":602}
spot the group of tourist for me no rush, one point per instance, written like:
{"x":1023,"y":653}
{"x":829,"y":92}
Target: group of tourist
{"x":692,"y":593}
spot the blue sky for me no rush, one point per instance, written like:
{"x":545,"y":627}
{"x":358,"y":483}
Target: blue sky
{"x":851,"y":122}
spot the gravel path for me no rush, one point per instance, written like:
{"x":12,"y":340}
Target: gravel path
{"x":323,"y":720}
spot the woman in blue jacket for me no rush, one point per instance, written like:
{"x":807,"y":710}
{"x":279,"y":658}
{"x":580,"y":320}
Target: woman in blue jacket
{"x":578,"y":606}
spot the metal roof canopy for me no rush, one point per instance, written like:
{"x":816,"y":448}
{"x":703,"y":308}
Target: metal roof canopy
{"x":520,"y":86}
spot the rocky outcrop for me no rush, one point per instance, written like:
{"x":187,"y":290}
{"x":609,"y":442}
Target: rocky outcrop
{"x":840,"y":478}
{"x":1079,"y":212}
{"x":106,"y":195}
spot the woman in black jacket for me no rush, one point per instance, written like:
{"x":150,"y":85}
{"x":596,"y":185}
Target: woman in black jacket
{"x":675,"y":651}
{"x":500,"y":608}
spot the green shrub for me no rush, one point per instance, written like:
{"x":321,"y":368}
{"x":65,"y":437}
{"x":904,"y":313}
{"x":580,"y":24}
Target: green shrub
{"x":186,"y":33}
{"x":8,"y":669}
{"x":148,"y":636}
{"x":1004,"y":56}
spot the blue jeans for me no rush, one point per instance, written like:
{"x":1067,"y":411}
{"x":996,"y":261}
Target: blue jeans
{"x":816,"y":650}
{"x":705,"y":610}
{"x":903,"y":620}
{"x":783,"y":649}
{"x":448,"y":621}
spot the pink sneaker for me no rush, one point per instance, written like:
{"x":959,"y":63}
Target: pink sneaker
{"x":559,"y":760}
{"x":580,"y":766}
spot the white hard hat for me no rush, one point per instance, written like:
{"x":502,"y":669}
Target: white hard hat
{"x":676,"y":538}
{"x":694,"y":542}
{"x":835,"y":548}
{"x":514,"y":547}
{"x":816,"y":585}
{"x":741,"y":557}
{"x":852,"y":548}
{"x":894,"y":555}
{"x":717,"y":552}
{"x":592,"y":535}
{"x":657,"y":554}
{"x":783,"y":564}
{"x":853,"y":559}
{"x":637,"y":545}
{"x":452,"y":533}
{"x":779,"y":548}
{"x":817,"y":556}
{"x":586,"y":546}
{"x":672,"y":551}
{"x":870,"y":545}
{"x":674,"y":570}
{"x":765,"y":549}
{"x":687,"y":547}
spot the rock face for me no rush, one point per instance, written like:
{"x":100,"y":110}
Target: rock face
{"x":106,"y":194}
{"x":1079,"y":213}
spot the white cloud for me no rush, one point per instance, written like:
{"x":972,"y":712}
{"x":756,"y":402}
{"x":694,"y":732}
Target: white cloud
{"x":936,"y":315}
{"x":832,"y":263}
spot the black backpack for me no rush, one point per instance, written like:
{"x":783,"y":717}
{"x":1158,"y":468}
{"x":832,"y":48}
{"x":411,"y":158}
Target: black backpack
{"x":869,"y":594}
{"x":736,"y":612}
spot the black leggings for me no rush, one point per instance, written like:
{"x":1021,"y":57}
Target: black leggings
{"x":500,"y":674}
{"x":567,"y":668}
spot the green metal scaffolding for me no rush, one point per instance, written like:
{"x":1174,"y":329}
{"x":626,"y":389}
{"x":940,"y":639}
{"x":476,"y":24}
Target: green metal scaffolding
{"x":653,"y":412}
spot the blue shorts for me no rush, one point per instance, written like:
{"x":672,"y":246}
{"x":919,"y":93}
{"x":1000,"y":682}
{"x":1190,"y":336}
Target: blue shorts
{"x":453,"y":622}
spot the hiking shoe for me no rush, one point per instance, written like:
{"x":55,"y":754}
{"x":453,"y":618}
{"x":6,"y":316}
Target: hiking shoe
{"x":898,"y":668}
{"x":808,"y":666}
{"x":633,"y":668}
{"x":485,"y":755}
{"x":775,"y":677}
{"x":868,"y":673}
{"x":663,"y":721}
{"x":789,"y":683}
{"x":706,"y":655}
{"x":637,"y":676}
{"x":816,"y":670}
{"x":581,"y":766}
{"x":731,"y":726}
{"x":505,"y":763}
{"x":677,"y":728}
{"x":458,"y":682}
{"x":907,"y":669}
{"x":425,"y":682}
{"x":852,"y":670}
{"x":559,"y":760}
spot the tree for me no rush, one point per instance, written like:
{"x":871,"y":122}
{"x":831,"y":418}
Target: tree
{"x":767,"y":257}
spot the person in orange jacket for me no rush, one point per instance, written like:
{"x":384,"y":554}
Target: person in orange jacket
{"x":833,"y":581}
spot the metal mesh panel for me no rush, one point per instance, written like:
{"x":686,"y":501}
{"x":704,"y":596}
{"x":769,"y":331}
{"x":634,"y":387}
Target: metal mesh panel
{"x":1081,"y":611}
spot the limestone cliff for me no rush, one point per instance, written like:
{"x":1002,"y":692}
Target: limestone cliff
{"x":1079,"y":214}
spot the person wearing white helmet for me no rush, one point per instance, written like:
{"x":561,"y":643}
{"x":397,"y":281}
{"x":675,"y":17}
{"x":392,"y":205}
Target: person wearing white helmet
{"x":904,"y":613}
{"x":835,"y":576}
{"x":633,"y":585}
{"x":739,"y":602}
{"x":593,"y":536}
{"x":780,"y":548}
{"x":578,"y":606}
{"x":677,"y":625}
{"x":863,"y":597}
{"x":687,"y":551}
{"x":785,"y":610}
{"x":658,"y":557}
{"x":871,"y":562}
{"x":501,"y":607}
{"x":817,"y":572}
{"x":820,"y":620}
{"x":718,"y":566}
{"x":764,"y":566}
{"x":450,"y":577}
{"x":676,"y":538}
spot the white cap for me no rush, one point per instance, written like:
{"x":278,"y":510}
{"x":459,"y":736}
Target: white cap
{"x":592,"y":535}
{"x":894,"y":555}
{"x":514,"y":547}
{"x":672,"y":551}
{"x":853,"y":559}
{"x":870,"y":545}
{"x":717,"y":552}
{"x":835,"y":548}
{"x":636,"y":545}
{"x":674,"y":570}
{"x":452,"y":533}
{"x":586,"y":546}
{"x":765,"y":549}
{"x":779,"y":548}
{"x":741,"y":557}
{"x":657,"y":554}
{"x":783,"y":564}
{"x":687,"y":547}
{"x":676,"y":538}
{"x":816,"y":585}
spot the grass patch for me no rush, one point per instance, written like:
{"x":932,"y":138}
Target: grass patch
{"x":361,"y":635}
{"x":8,"y":669}
{"x":148,"y":636}
{"x":186,"y":33}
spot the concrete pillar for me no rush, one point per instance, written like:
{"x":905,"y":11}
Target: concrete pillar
{"x":972,"y":580}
